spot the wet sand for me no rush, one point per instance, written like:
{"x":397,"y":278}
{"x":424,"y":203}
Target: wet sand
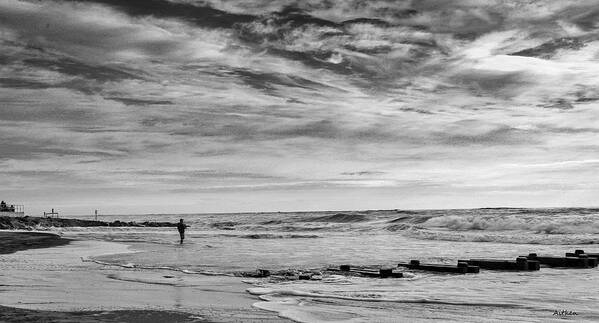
{"x":48,"y":279}
{"x":13,"y":315}
{"x":14,"y":241}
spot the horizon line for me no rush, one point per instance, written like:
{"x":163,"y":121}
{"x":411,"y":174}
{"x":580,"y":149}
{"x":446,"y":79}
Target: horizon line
{"x":361,"y":210}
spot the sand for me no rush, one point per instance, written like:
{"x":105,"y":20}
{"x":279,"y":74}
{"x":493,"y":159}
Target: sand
{"x":9,"y":314}
{"x":14,"y":241}
{"x":59,"y":284}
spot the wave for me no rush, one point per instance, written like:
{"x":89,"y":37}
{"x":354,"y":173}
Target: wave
{"x":463,"y":223}
{"x":272,"y":222}
{"x":414,"y":219}
{"x":144,"y":281}
{"x":398,"y":227}
{"x":226,"y":225}
{"x":138,"y":266}
{"x":278,"y":236}
{"x":513,"y":237}
{"x":338,"y":218}
{"x":569,"y":228}
{"x":546,"y":225}
{"x":265,"y":291}
{"x":292,"y":228}
{"x":278,"y":275}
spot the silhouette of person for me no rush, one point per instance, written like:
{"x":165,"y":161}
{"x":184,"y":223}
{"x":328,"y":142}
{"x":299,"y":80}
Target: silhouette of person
{"x":181,"y":227}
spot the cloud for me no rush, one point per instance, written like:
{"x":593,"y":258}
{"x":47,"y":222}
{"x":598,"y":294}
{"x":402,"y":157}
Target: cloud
{"x":269,"y":82}
{"x":314,"y":97}
{"x":77,"y":68}
{"x":499,"y":135}
{"x":16,"y":83}
{"x":549,"y":49}
{"x":132,"y":101}
{"x":491,"y":83}
{"x":363,"y":173}
{"x":204,"y":16}
{"x":567,"y":163}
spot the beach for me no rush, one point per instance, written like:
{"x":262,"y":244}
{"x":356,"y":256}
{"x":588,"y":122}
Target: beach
{"x":10,"y":314}
{"x":14,"y":241}
{"x":46,"y":278}
{"x":132,"y":272}
{"x":321,"y":161}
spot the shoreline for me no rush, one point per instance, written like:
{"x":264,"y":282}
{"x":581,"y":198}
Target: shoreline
{"x":186,"y":298}
{"x":17,"y":315}
{"x":21,"y":315}
{"x":11,"y":242}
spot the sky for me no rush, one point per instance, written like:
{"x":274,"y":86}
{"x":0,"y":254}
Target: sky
{"x":188,"y":106}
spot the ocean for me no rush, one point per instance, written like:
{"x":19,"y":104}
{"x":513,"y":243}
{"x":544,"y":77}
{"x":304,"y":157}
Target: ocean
{"x":230,"y":244}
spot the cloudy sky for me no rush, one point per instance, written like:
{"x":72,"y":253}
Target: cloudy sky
{"x":152,"y":106}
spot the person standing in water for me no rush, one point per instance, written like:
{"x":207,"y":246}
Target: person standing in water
{"x":181,"y":227}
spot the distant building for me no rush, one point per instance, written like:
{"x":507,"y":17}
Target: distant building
{"x":11,"y":209}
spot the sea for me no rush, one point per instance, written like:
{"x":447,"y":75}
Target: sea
{"x":290,"y":243}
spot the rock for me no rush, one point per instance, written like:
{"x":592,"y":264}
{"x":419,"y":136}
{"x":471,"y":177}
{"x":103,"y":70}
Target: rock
{"x":29,"y":222}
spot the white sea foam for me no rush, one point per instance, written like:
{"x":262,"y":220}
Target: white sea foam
{"x":558,"y":225}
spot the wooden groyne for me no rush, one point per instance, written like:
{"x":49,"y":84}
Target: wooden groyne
{"x":593,"y":258}
{"x":576,"y":259}
{"x":532,"y":262}
{"x":519,"y":264}
{"x":460,"y":268}
{"x":581,"y":261}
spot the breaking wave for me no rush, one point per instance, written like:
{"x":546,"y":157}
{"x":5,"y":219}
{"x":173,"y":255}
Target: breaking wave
{"x":516,"y":237}
{"x":338,"y":218}
{"x":545,"y":225}
{"x":502,"y":225}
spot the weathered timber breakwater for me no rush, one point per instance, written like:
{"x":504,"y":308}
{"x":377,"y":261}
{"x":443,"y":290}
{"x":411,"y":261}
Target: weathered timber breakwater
{"x":31,"y":223}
